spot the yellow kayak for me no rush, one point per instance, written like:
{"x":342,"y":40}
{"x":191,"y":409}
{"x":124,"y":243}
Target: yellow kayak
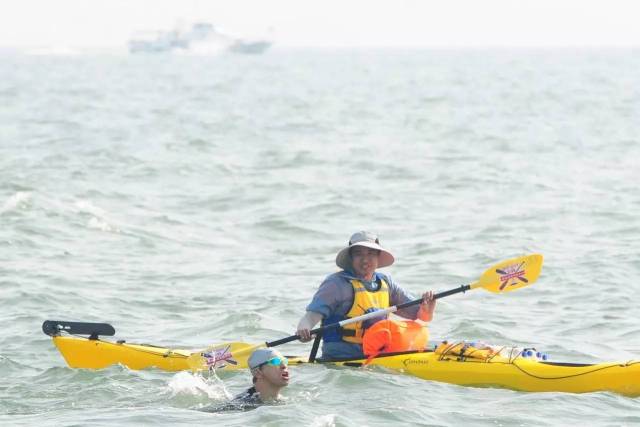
{"x":476,"y":368}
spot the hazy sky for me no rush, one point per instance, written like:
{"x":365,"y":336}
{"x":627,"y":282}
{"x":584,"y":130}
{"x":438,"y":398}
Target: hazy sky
{"x":85,"y":23}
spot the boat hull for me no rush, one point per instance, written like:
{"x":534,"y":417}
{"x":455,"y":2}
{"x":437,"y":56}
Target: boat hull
{"x":99,"y":354}
{"x":522,"y":374}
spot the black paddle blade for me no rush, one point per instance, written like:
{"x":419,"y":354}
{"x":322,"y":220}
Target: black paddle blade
{"x":55,"y":327}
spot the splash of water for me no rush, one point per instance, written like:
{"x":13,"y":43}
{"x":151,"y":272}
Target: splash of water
{"x":186,"y":383}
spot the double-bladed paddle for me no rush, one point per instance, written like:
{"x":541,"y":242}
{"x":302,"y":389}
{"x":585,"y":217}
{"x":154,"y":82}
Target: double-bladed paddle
{"x":503,"y":277}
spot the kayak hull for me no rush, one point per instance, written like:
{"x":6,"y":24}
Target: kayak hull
{"x":98,"y":354}
{"x":519,"y":373}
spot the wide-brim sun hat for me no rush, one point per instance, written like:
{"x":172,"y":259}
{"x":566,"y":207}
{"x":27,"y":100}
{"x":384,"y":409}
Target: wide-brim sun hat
{"x":368,"y":240}
{"x":262,"y":355}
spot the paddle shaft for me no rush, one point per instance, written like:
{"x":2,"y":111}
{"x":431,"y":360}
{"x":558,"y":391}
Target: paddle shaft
{"x":373,"y":314}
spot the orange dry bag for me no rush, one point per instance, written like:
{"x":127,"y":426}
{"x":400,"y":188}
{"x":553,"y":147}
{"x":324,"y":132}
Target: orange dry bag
{"x":388,"y":336}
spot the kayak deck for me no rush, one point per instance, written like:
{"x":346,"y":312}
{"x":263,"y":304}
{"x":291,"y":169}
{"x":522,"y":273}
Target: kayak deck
{"x":517,"y":373}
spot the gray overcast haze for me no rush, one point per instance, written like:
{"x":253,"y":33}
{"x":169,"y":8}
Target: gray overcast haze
{"x":90,"y":23}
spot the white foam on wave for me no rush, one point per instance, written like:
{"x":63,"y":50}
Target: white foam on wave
{"x":88,"y":207}
{"x":100,"y":224}
{"x":328,"y":420}
{"x":186,"y":383}
{"x":99,"y":219}
{"x":13,"y":202}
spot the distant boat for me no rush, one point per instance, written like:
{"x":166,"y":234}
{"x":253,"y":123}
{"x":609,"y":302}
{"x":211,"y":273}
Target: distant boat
{"x":202,"y":37}
{"x":241,"y":46}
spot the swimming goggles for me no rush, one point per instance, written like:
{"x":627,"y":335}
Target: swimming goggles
{"x":275,"y":361}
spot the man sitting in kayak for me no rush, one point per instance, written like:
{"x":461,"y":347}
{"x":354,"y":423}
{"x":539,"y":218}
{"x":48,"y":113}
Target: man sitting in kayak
{"x":270,"y":375}
{"x":355,"y":290}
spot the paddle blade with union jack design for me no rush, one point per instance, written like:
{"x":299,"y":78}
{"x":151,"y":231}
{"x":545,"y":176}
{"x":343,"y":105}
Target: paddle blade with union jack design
{"x":511,"y":274}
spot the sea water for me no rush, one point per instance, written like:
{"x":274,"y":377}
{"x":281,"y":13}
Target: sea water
{"x":197,"y":200}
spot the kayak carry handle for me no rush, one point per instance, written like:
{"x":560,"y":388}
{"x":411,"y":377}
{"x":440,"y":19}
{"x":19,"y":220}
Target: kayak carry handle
{"x":56,"y":327}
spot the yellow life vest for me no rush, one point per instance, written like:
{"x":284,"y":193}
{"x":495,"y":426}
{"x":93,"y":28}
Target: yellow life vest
{"x":364,"y":301}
